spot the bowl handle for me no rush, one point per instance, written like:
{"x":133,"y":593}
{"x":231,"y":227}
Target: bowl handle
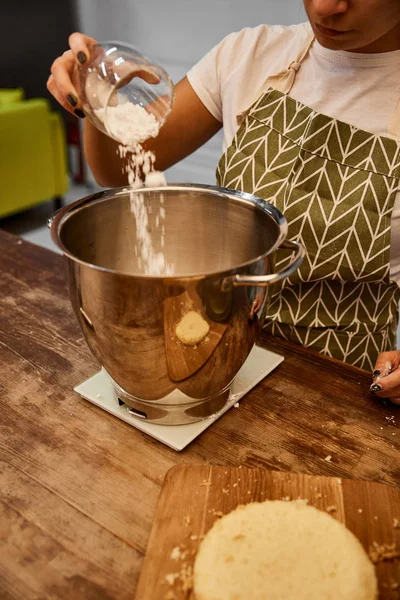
{"x":265,"y":280}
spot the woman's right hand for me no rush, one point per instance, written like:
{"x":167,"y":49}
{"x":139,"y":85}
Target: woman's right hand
{"x":63,"y":82}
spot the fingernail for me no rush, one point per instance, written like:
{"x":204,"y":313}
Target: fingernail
{"x":79,"y":113}
{"x":375,"y":387}
{"x":375,"y":374}
{"x":81,"y":57}
{"x":73,"y":100}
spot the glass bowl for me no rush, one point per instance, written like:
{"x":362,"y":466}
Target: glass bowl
{"x":118,"y":73}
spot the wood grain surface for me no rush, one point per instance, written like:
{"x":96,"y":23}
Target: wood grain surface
{"x":194,"y":497}
{"x":79,"y":488}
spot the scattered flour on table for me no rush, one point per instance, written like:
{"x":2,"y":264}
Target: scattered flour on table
{"x":131,"y":125}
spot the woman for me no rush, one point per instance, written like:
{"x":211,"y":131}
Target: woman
{"x":311,"y":118}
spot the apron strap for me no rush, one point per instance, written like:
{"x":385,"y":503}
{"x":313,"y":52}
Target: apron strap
{"x":283,"y":81}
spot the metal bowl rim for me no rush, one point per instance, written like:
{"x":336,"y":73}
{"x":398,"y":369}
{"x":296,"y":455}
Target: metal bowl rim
{"x":57,"y":221}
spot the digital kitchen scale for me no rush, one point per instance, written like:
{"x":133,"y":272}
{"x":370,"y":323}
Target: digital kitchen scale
{"x":100,"y":391}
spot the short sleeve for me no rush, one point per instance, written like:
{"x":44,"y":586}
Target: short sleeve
{"x":227,"y":79}
{"x":203,"y":78}
{"x":208,"y":75}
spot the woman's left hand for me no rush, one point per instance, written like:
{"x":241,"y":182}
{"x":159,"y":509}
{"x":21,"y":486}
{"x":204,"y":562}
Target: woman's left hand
{"x":386,"y":376}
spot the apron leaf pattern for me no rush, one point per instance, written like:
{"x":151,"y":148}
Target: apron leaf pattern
{"x":336,"y":185}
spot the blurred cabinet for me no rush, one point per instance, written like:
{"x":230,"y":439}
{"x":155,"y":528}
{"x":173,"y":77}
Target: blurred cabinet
{"x":33,"y":34}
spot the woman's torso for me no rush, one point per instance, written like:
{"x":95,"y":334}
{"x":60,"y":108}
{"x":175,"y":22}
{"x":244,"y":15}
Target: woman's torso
{"x":360,"y":89}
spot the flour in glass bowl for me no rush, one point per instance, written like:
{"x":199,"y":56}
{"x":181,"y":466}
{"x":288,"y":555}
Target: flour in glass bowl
{"x":129,"y":123}
{"x":132,"y":125}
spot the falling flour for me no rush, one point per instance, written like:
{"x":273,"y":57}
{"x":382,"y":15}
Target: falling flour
{"x":131,"y":125}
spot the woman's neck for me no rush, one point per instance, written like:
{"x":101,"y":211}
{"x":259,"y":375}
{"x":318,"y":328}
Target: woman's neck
{"x":388,"y":43}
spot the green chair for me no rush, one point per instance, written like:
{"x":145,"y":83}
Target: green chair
{"x":33,"y":154}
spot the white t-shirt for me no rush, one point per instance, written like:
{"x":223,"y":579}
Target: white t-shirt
{"x":360,"y":89}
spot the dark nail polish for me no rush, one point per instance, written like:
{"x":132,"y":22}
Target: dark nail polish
{"x":73,"y":100}
{"x":79,"y":113}
{"x":81,"y":57}
{"x":375,"y":374}
{"x":375,"y":388}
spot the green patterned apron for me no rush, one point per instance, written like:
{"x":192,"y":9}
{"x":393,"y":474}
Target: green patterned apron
{"x":336,"y":186}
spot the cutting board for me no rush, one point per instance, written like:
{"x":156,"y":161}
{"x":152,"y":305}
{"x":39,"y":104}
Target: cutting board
{"x":183,"y":361}
{"x":193,"y":497}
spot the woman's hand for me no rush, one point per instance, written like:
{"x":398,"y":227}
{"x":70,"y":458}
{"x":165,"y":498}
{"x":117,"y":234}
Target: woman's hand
{"x":386,"y":376}
{"x":63,"y":81}
{"x":189,"y":126}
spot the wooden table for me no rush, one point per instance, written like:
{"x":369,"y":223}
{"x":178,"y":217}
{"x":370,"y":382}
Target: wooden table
{"x":78,"y":487}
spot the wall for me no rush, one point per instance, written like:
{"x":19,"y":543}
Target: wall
{"x":177,"y":33}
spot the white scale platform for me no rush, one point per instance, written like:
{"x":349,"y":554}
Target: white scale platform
{"x":99,"y":390}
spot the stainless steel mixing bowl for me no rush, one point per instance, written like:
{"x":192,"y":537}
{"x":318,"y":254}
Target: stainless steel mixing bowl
{"x":222,"y":245}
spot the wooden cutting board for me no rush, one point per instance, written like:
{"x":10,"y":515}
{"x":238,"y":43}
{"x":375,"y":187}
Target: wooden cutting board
{"x":183,"y":361}
{"x":193,"y":497}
